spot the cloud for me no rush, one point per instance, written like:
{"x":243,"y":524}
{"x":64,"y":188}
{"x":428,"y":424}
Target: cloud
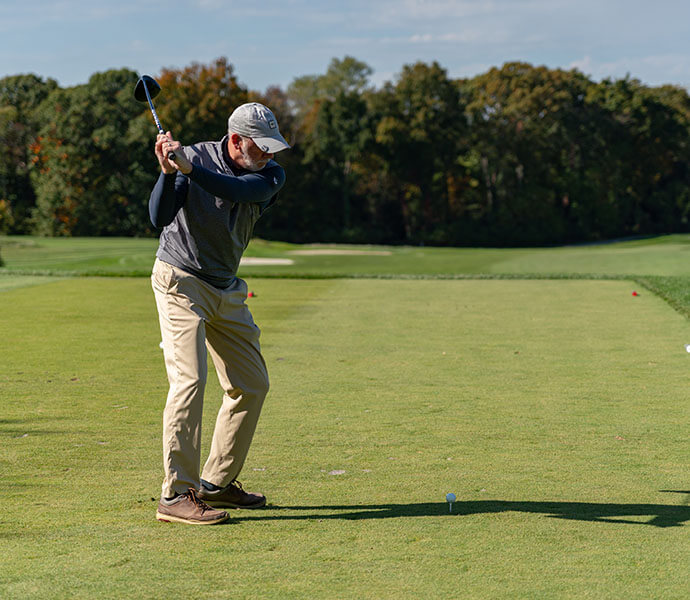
{"x":654,"y":69}
{"x":40,"y":13}
{"x":583,"y":64}
{"x":463,"y":37}
{"x":405,"y":13}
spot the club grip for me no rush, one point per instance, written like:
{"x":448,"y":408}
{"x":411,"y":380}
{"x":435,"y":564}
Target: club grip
{"x":171,"y":156}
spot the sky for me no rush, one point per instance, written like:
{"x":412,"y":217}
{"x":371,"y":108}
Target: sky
{"x":274,"y":41}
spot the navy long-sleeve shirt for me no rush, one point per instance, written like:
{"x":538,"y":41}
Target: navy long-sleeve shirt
{"x":170,"y":191}
{"x":208,"y":216}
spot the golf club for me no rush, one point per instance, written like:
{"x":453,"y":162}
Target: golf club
{"x":146,"y":89}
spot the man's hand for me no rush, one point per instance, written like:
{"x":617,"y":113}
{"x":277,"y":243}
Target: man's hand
{"x":166,"y":144}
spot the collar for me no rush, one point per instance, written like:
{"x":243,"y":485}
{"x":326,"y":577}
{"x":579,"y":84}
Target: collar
{"x":226,"y":155}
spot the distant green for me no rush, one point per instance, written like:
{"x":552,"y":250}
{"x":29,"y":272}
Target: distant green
{"x":663,"y":256}
{"x":659,"y":264}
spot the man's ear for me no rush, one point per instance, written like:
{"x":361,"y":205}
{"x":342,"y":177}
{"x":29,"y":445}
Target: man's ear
{"x":236,"y":140}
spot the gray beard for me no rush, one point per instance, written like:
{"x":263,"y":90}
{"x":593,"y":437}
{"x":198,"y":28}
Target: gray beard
{"x":249,"y":164}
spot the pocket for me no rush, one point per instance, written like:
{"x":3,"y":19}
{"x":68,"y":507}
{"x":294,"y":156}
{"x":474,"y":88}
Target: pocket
{"x":162,"y":277}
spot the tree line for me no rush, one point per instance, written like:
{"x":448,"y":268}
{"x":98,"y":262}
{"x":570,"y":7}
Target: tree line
{"x":519,"y":155}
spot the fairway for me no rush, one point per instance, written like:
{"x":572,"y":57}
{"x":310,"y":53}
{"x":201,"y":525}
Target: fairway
{"x":555,"y":410}
{"x":661,"y":256}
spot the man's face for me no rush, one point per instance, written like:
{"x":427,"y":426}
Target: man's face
{"x":251,"y":156}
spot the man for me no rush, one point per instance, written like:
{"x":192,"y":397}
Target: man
{"x":208,"y":198}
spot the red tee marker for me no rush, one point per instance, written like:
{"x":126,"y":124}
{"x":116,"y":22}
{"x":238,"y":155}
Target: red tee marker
{"x":635,"y":294}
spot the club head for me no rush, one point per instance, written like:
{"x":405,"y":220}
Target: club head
{"x":150,"y":83}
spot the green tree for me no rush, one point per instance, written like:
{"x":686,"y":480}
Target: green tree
{"x":343,"y":76}
{"x":338,"y":140}
{"x":559,"y":158}
{"x":20,"y":95}
{"x":517,"y":155}
{"x":421,"y":130}
{"x":93,"y":164}
{"x":648,"y":175}
{"x":325,"y":118}
{"x":535,"y":140}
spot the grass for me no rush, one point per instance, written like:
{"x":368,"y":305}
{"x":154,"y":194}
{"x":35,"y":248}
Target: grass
{"x":556,"y":410}
{"x":667,"y":256}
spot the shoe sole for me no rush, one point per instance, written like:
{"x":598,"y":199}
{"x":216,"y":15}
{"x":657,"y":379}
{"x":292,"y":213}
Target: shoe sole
{"x":171,"y":519}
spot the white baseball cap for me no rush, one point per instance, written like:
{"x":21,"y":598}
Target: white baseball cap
{"x":257,"y":122}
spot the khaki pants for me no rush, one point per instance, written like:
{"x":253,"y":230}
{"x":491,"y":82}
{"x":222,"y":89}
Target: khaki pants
{"x":195,"y":316}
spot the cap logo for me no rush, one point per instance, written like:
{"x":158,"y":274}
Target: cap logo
{"x":264,"y":148}
{"x":272,"y":124}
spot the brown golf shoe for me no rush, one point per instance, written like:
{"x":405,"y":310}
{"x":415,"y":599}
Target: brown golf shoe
{"x":232,"y":496}
{"x":189,"y":508}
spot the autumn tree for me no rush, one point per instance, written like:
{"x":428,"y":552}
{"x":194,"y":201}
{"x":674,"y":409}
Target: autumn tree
{"x":196,"y":101}
{"x":517,"y":155}
{"x":92,"y":166}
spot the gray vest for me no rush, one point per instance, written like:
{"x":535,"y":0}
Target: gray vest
{"x":208,"y":235}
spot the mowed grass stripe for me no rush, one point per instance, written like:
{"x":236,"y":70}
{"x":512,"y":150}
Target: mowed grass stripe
{"x":10,"y":282}
{"x":555,"y":410}
{"x":660,"y":256}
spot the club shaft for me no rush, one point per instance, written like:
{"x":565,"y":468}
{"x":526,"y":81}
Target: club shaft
{"x":171,"y":155}
{"x":153,"y":110}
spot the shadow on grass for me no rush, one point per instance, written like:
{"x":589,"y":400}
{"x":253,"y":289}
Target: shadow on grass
{"x":28,"y":426}
{"x":30,"y":420}
{"x":657,"y":515}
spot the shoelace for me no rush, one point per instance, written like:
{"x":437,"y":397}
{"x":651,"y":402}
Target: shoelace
{"x":198,"y":502}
